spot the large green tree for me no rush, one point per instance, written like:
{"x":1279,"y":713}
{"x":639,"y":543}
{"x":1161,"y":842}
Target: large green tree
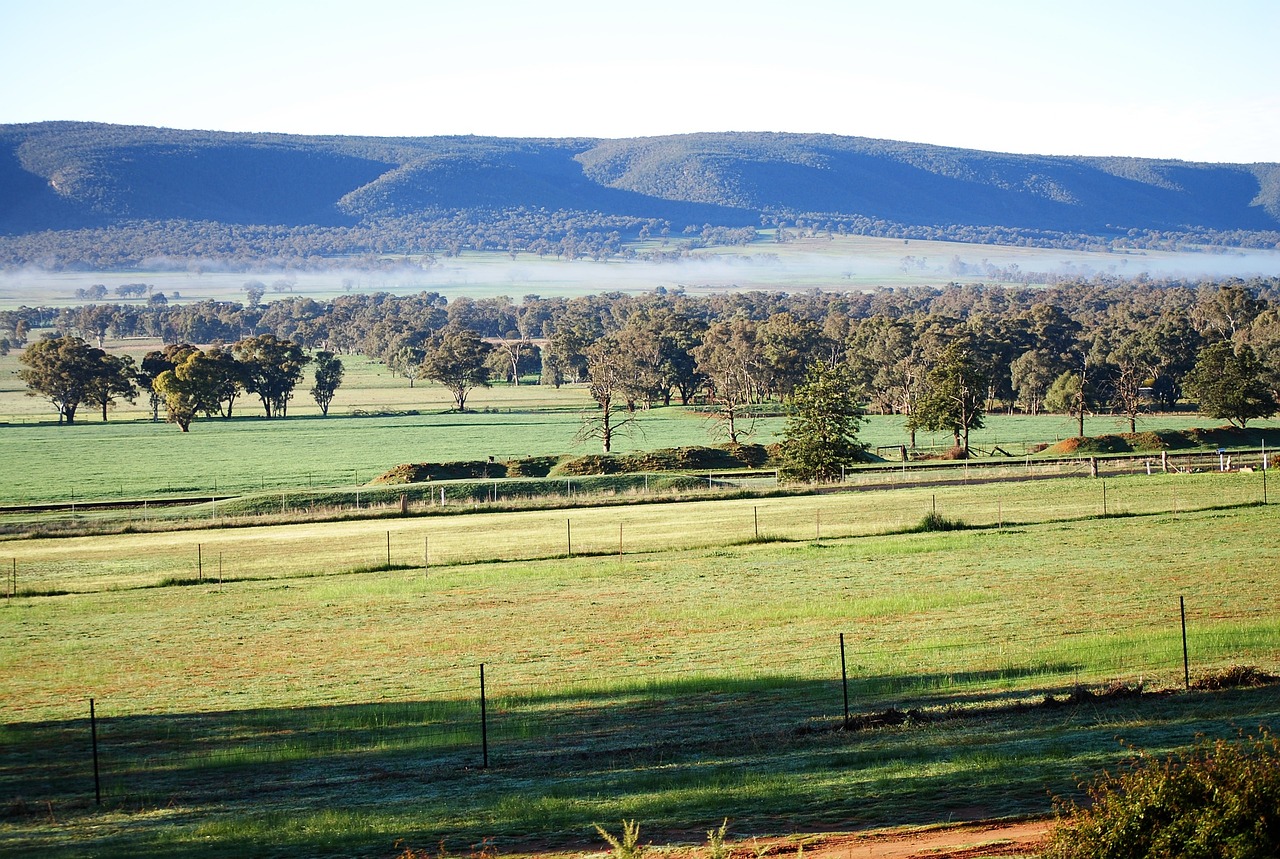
{"x":612,"y":385}
{"x":191,"y":388}
{"x":1227,"y":383}
{"x":821,"y":435}
{"x":329,"y":372}
{"x":729,"y":359}
{"x":114,"y":377}
{"x":272,"y":369}
{"x":458,"y":359}
{"x":955,"y":395}
{"x":63,"y":370}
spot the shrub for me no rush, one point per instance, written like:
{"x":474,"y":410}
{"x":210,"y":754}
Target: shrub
{"x":937,"y":522}
{"x":628,"y":846}
{"x":1219,"y":800}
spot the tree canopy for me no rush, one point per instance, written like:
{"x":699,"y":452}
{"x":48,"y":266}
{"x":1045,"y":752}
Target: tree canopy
{"x":1228,"y":384}
{"x":821,"y":435}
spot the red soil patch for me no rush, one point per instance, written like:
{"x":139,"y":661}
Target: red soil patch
{"x":969,"y":841}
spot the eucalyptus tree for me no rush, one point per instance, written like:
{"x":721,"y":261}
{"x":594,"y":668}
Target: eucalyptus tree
{"x":458,"y":358}
{"x":272,"y":369}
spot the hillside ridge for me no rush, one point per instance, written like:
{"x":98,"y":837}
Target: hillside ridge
{"x":72,"y":175}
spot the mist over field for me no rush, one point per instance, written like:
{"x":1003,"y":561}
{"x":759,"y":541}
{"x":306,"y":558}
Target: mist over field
{"x":839,"y":264}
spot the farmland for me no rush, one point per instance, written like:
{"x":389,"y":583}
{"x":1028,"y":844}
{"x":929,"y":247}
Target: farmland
{"x":301,"y":680}
{"x":377,"y":422}
{"x":695,"y":676}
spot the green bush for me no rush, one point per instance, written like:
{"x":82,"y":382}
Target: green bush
{"x":1219,"y":800}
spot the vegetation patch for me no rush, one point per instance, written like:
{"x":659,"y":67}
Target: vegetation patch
{"x":1218,"y":799}
{"x":694,"y":458}
{"x":421,"y":472}
{"x":1154,"y":440}
{"x":935,"y":521}
{"x":1235,"y":677}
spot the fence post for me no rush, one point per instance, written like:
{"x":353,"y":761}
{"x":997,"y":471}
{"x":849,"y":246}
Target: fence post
{"x":199,"y":564}
{"x":568,"y":537}
{"x":426,"y":556}
{"x":93,"y":733}
{"x":1104,"y":498}
{"x":844,"y":682}
{"x":755,"y":512}
{"x":484,"y":722}
{"x":619,"y":541}
{"x":1186,"y":663}
{"x":388,"y":550}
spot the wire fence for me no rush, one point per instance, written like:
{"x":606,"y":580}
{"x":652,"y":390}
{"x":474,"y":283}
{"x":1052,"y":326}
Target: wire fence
{"x":418,"y":546}
{"x":546,"y":715}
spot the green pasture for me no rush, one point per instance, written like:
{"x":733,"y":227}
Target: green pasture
{"x":312,"y":710}
{"x":371,"y":429}
{"x":636,"y":522}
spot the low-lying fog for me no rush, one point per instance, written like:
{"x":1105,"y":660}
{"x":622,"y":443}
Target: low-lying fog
{"x":816,"y":264}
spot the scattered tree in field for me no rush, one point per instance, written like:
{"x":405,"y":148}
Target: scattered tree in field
{"x":153,"y":364}
{"x":955,"y":395}
{"x":329,"y":372}
{"x":1069,"y":395}
{"x":62,"y":369}
{"x":272,"y":369}
{"x":231,"y":378}
{"x":821,"y":435}
{"x":191,"y":388}
{"x":1227,"y":383}
{"x":728,"y":358}
{"x":513,"y":347}
{"x":458,"y":359}
{"x":406,"y":361}
{"x":115,"y":377}
{"x":611,"y":374}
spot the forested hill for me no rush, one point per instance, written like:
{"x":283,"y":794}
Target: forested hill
{"x":56,"y":176}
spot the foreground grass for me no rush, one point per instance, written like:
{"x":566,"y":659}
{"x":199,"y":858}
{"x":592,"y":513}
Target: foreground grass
{"x":339,"y":714}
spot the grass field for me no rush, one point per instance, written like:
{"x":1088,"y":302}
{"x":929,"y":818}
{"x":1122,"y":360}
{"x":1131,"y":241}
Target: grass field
{"x":315,"y":710}
{"x":131,"y":457}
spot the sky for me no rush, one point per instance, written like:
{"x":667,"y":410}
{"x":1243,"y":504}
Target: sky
{"x":1169,"y":79}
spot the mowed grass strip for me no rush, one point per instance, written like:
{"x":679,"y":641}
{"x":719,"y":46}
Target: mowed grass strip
{"x":85,"y":564}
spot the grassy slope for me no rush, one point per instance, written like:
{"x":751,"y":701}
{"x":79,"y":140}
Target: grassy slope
{"x":675,"y":686}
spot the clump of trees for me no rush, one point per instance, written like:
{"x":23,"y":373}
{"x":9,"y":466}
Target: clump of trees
{"x":186,"y":380}
{"x":69,"y":372}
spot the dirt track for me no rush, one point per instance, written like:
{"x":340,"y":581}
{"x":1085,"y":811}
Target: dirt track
{"x":970,"y":841}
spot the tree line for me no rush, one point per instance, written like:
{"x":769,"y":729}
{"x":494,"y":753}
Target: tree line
{"x":941,"y":357}
{"x":186,"y":380}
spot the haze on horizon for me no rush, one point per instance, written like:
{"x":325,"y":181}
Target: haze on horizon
{"x":1143,"y":79}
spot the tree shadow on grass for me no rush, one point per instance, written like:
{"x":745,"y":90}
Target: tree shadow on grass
{"x":679,"y":755}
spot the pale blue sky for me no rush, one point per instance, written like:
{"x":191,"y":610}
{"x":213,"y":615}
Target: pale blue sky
{"x":1168,"y":79}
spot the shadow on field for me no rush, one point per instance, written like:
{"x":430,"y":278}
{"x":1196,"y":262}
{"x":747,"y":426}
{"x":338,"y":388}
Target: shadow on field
{"x":678,"y":755}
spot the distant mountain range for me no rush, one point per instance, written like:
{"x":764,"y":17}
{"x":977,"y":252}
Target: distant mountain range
{"x":66,"y":175}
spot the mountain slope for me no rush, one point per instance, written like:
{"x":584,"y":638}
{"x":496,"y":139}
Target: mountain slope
{"x":70,"y":175}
